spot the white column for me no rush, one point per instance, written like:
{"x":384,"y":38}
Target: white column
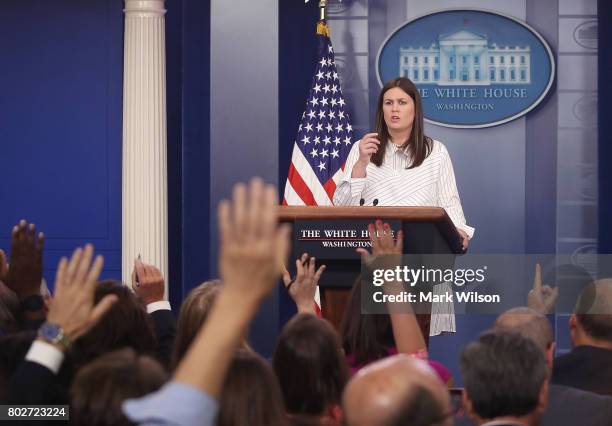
{"x":144,"y":208}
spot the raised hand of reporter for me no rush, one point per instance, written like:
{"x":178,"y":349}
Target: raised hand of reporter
{"x":72,"y":308}
{"x":542,"y":297}
{"x":253,"y":250}
{"x":148,"y":282}
{"x":386,"y":254}
{"x":253,"y":247}
{"x":303,"y":287}
{"x":384,"y":247}
{"x":23,"y":274}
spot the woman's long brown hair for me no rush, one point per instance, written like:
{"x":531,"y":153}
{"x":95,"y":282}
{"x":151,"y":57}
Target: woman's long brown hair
{"x":419,"y":146}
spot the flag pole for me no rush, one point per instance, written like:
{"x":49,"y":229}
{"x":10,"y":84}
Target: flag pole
{"x":322,"y":28}
{"x":322,"y":4}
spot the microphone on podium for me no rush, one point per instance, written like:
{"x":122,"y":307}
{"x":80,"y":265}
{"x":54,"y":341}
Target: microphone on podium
{"x":362,"y":201}
{"x":375,"y":202}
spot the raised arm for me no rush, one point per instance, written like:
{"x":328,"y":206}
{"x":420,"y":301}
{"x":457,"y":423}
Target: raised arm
{"x":303,"y":287}
{"x":148,"y":283}
{"x":253,"y":251}
{"x":23,"y":274}
{"x":387,"y":254}
{"x":251,"y":257}
{"x":72,"y":313}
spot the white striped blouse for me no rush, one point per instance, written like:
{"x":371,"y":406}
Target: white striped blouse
{"x":431,"y":184}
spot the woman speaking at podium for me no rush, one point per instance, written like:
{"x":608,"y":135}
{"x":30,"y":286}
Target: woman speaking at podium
{"x":398,"y":165}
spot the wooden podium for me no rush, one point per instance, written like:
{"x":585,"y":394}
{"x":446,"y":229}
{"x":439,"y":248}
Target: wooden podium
{"x":331,"y":233}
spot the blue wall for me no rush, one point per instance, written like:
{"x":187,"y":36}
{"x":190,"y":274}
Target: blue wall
{"x":61,"y":128}
{"x":60,"y":124}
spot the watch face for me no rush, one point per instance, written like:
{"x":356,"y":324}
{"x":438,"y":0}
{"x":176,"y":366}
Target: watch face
{"x":49,"y":331}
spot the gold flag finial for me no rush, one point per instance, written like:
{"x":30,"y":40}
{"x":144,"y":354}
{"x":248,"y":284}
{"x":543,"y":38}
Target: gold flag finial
{"x":322,"y":5}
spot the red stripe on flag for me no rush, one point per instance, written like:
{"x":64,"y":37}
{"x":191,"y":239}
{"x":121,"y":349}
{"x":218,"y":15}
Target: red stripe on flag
{"x":330,"y":188}
{"x":300,"y":187}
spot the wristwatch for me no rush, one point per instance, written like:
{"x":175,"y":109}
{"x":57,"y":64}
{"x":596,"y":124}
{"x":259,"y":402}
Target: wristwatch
{"x":54,"y":334}
{"x":32,"y":303}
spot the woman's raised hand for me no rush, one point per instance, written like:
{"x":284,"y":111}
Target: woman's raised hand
{"x":368,"y":145}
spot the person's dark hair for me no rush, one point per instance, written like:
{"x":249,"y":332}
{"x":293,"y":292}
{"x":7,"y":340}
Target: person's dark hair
{"x":419,"y":146}
{"x":419,"y":408}
{"x":126,"y":324}
{"x":594,"y":310}
{"x":310,"y":365}
{"x":100,"y":387}
{"x":194,"y":311}
{"x":250,"y":395}
{"x":503,"y":373}
{"x":366,"y":336}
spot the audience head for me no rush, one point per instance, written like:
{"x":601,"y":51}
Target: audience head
{"x":365,"y":336}
{"x":126,"y":324}
{"x":311,"y":367}
{"x":250,"y":395}
{"x":591,"y":323}
{"x":531,"y":324}
{"x":100,"y":387}
{"x":505,"y":377}
{"x":194,"y":312}
{"x":395,"y":391}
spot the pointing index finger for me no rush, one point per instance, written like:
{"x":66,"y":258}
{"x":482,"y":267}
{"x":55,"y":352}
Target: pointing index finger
{"x":537,"y":279}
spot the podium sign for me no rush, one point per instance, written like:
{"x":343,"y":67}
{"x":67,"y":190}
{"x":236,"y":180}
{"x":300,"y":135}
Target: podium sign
{"x":334,"y":239}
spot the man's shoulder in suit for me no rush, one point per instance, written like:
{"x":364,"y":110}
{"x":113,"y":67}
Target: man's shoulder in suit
{"x":585,"y":367}
{"x":571,"y":406}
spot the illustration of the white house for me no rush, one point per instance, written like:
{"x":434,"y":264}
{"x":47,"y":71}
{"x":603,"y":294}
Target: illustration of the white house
{"x":465,"y":58}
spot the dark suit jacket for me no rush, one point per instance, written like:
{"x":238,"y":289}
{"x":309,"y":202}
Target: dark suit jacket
{"x":33,"y":384}
{"x":585,"y":367}
{"x":570,"y":407}
{"x":165,"y":330}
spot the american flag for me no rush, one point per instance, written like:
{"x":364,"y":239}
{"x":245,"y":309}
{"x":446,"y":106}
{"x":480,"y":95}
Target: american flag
{"x":324,"y":136}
